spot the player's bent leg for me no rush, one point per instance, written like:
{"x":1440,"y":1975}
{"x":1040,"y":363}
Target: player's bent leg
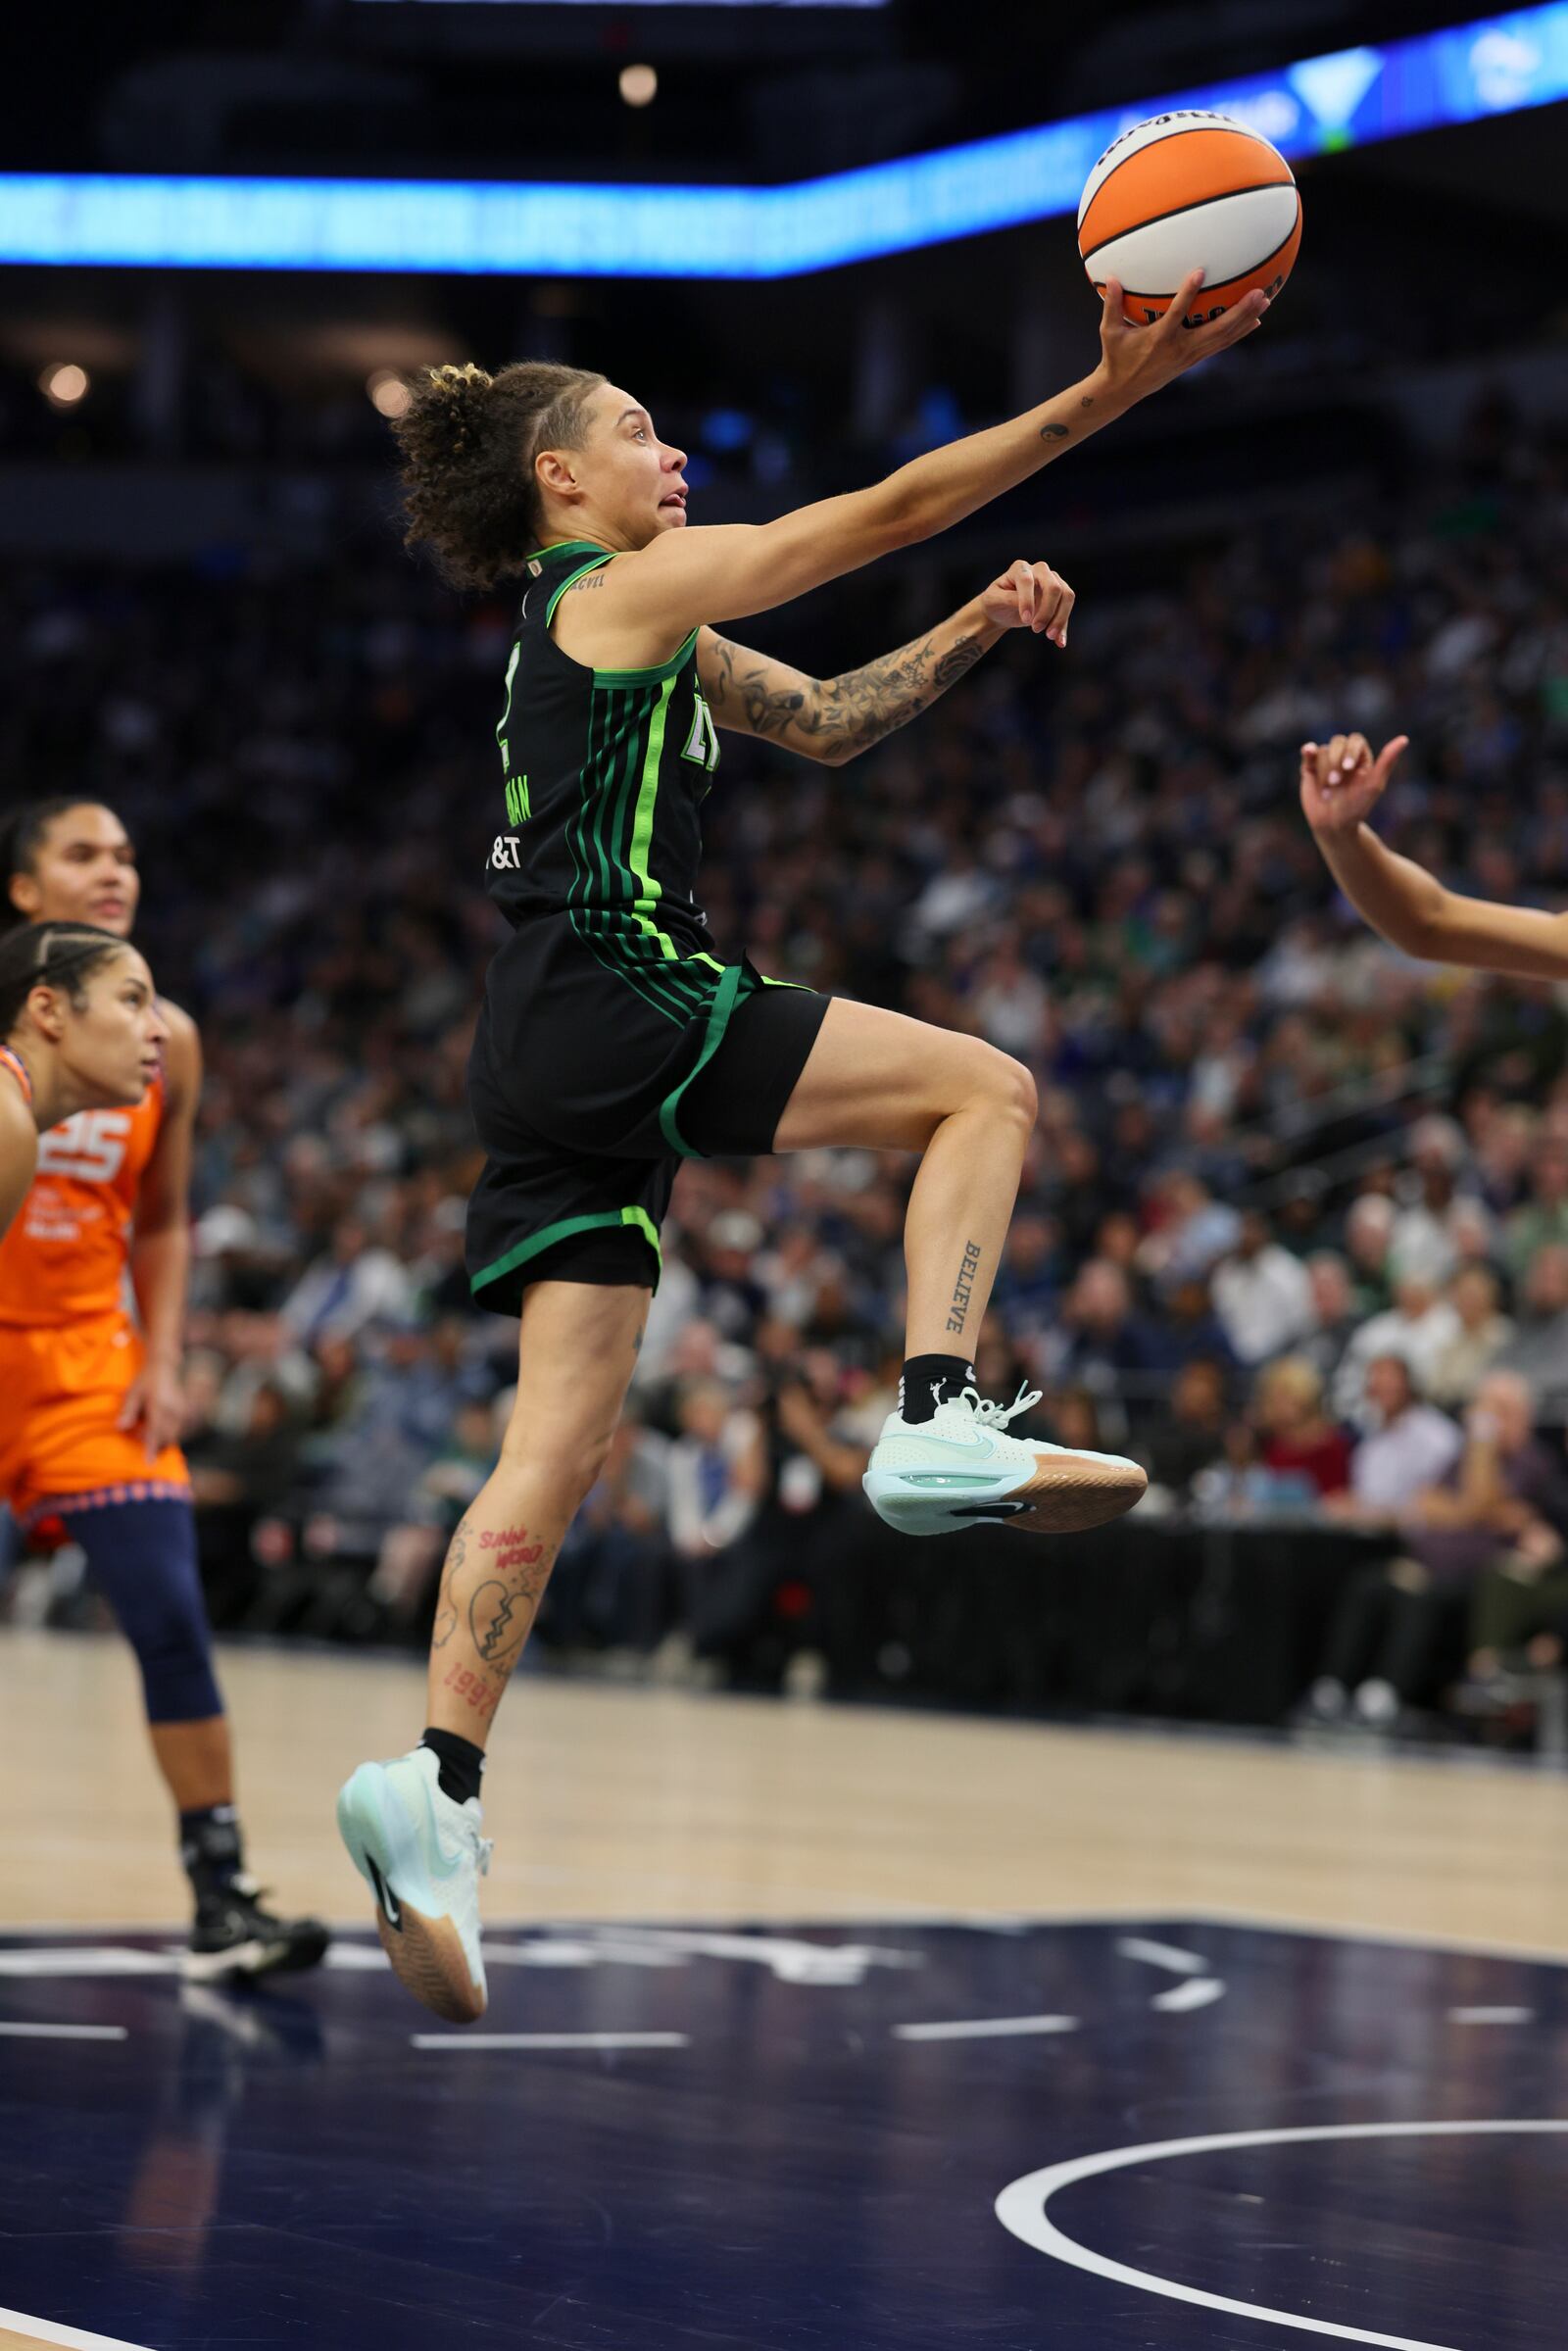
{"x":881,"y":1081}
{"x":413,"y":1824}
{"x":143,"y":1557}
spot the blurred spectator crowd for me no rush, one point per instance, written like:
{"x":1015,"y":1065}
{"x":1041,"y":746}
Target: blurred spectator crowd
{"x":1294,"y":1224}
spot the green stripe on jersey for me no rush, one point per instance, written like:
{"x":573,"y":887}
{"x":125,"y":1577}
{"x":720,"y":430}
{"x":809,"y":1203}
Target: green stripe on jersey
{"x":607,"y":678}
{"x":613,"y":731}
{"x":647,"y":891}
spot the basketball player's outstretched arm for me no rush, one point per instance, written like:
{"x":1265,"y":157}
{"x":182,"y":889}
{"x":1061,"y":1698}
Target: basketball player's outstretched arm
{"x":832,"y":719}
{"x":1340,"y":785}
{"x":685,"y":577}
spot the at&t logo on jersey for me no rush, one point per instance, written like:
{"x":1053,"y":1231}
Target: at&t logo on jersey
{"x":90,"y":1146}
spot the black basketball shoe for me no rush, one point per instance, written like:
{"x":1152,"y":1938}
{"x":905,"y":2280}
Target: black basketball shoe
{"x":235,"y":1936}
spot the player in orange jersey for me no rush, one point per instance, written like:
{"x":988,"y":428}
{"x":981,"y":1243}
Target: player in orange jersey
{"x":80,"y":1028}
{"x":94,"y":1409}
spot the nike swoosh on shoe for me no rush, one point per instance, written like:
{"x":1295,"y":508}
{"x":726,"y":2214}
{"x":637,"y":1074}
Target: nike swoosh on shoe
{"x":386,"y":1897}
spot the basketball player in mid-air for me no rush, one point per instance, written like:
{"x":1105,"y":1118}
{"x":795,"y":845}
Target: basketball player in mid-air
{"x":93,"y":1409}
{"x":614,"y":1041}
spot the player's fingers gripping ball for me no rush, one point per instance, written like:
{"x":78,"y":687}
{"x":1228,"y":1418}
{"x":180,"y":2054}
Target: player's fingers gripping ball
{"x":1189,"y":191}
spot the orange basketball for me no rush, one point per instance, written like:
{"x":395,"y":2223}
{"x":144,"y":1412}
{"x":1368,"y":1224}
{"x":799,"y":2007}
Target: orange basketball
{"x":1189,"y":191}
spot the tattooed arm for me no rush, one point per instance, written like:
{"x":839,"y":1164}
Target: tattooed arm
{"x":833,"y":720}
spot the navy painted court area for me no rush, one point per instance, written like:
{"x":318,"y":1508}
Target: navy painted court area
{"x":795,"y":2141}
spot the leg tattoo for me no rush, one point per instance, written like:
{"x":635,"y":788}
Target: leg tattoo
{"x":958,"y":1312}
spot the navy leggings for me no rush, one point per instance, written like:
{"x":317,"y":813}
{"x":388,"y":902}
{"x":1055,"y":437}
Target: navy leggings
{"x":143,"y":1557}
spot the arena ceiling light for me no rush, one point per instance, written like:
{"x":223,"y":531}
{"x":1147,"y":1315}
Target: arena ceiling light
{"x":538,"y":228}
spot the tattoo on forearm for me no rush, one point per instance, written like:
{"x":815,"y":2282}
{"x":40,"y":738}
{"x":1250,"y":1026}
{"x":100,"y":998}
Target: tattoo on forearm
{"x":1054,"y":433}
{"x":834,"y":718}
{"x":959,"y":1313}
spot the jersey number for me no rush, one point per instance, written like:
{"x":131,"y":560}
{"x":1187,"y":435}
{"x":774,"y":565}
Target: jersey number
{"x":92,"y":1147}
{"x":702,"y":744}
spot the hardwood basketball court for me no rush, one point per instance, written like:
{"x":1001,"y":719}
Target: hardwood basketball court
{"x":808,"y":2026}
{"x":608,"y":1803}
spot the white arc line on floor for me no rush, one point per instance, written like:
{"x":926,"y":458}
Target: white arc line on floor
{"x":986,"y":2028}
{"x":1198,"y":1991}
{"x":1021,"y":2208}
{"x":44,"y":2330}
{"x":459,"y":2041}
{"x":89,"y":1959}
{"x":1163,"y":1955}
{"x":1491,"y":2016}
{"x":65,"y":2031}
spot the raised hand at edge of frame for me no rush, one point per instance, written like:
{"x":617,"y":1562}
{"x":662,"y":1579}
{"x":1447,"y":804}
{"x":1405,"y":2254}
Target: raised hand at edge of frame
{"x":1342,"y":782}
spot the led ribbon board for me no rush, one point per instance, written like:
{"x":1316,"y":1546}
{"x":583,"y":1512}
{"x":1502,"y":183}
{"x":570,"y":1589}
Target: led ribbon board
{"x":535,"y":228}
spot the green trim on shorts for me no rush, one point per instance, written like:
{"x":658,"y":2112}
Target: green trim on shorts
{"x":725,"y":997}
{"x":637,"y":1219}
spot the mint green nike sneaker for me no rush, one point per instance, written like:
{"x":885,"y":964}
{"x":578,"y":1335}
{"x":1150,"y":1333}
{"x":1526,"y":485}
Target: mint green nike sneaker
{"x":961,"y":1469}
{"x":421,"y":1855}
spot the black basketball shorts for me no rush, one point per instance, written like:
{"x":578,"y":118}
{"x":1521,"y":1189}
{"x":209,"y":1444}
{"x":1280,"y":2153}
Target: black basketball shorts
{"x":587,"y":1097}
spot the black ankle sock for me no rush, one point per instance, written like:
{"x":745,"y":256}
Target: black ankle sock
{"x":462,"y":1763}
{"x":929,"y":1381}
{"x":211,"y":1848}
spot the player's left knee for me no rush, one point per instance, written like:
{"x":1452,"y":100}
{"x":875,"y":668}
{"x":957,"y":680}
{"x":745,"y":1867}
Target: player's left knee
{"x":143,"y":1556}
{"x":565,"y":1458}
{"x":1013,"y":1086}
{"x":173,"y":1649}
{"x":180,"y":1688}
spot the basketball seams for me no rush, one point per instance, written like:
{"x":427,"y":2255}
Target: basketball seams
{"x":1174,"y":130}
{"x":1242,"y":279}
{"x":1259,"y":187}
{"x":1233,"y":148}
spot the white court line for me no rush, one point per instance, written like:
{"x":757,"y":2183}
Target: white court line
{"x":1021,"y":2208}
{"x":549,"y":2040}
{"x":986,"y":2028}
{"x":88,"y":1959}
{"x":1491,"y":2016}
{"x":1198,"y":1991}
{"x":1162,"y":1955}
{"x":65,"y":2031}
{"x":44,"y":2330}
{"x":839,"y":1910}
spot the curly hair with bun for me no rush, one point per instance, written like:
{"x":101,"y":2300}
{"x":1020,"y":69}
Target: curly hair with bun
{"x":468,"y":442}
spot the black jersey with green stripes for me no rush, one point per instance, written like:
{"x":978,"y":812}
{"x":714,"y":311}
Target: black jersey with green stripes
{"x":603,"y":773}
